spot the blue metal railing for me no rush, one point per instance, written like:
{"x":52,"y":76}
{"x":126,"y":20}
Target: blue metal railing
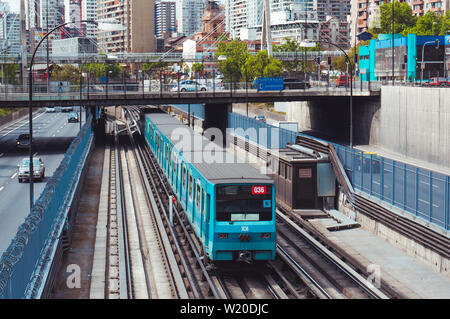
{"x":418,"y":191}
{"x":29,"y":254}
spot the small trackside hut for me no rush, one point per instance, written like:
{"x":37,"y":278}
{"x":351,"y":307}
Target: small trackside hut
{"x":304,"y":178}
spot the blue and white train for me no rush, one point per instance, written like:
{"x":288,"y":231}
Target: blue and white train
{"x":230,"y":206}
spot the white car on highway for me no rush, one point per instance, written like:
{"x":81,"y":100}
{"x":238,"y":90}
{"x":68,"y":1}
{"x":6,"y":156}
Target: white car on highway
{"x":24,"y":169}
{"x":50,"y":109}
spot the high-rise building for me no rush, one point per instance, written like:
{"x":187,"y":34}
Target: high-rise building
{"x":189,"y":16}
{"x":165,"y":19}
{"x":89,"y":12}
{"x":9,"y":30}
{"x":138,"y":19}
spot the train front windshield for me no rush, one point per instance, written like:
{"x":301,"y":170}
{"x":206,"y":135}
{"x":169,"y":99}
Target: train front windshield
{"x":244,"y":203}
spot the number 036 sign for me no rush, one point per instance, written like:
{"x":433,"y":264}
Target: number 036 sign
{"x":259,"y":190}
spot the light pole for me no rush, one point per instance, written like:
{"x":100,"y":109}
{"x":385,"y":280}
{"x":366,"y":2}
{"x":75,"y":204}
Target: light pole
{"x":108,"y":25}
{"x":422,"y":65}
{"x":393,"y":60}
{"x":351,"y":86}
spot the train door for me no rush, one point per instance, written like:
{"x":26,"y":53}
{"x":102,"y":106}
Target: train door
{"x":305,"y":192}
{"x":197,"y":207}
{"x":191,"y":196}
{"x":184,"y":187}
{"x":202,"y":215}
{"x":207,"y":219}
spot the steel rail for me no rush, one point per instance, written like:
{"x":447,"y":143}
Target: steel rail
{"x":126,"y":282}
{"x":205,"y":273}
{"x":176,"y":279}
{"x":366,"y":286}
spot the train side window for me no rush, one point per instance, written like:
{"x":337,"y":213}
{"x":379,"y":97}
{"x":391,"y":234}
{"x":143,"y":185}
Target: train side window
{"x":208,"y":200}
{"x":204,"y":202}
{"x":190,"y":186}
{"x":283,"y":170}
{"x":288,"y":173}
{"x":174,"y":163}
{"x":183,"y":176}
{"x":198,"y":195}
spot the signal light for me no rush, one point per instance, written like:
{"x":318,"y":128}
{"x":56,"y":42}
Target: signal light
{"x":223,"y":236}
{"x":329,"y":60}
{"x":405,"y":59}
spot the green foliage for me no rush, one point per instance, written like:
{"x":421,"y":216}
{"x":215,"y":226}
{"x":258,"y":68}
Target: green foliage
{"x":152,"y":66}
{"x":261,"y":65}
{"x":10,"y":73}
{"x":198,"y":67}
{"x":430,"y":24}
{"x":98,"y":70}
{"x":403,"y":18}
{"x":66,"y":72}
{"x":236,"y":54}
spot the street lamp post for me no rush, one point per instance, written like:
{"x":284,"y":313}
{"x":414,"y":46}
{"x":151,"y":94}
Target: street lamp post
{"x":422,"y":65}
{"x":108,"y":26}
{"x":351,"y":85}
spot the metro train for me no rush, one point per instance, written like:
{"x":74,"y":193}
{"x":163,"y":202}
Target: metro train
{"x":230,"y":205}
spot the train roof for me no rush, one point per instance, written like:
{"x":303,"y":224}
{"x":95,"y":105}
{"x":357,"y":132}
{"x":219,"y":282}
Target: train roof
{"x":215,"y":163}
{"x":226,"y":173}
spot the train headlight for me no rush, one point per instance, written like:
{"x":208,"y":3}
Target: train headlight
{"x":265,"y":235}
{"x":223,"y":236}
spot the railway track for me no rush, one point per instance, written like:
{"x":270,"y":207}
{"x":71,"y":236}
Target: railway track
{"x":324,"y":272}
{"x":302,"y":270}
{"x":140,"y":263}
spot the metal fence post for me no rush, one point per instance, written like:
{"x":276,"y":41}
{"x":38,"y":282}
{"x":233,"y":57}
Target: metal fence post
{"x":431,"y":195}
{"x":417,"y":190}
{"x":447,"y":203}
{"x":393,"y":182}
{"x":382,"y":178}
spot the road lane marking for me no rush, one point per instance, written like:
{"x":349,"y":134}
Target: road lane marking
{"x":25,"y":122}
{"x":14,"y":175}
{"x":2,"y":154}
{"x":2,"y":188}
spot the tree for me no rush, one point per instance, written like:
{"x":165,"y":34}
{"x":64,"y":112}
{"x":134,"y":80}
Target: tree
{"x":261,"y":65}
{"x":198,"y":67}
{"x":236,"y":54}
{"x":403,"y":18}
{"x":10,"y":71}
{"x":430,"y":24}
{"x":98,"y":70}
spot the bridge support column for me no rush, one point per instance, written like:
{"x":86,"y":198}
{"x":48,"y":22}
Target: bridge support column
{"x":216,"y":116}
{"x":98,"y":125}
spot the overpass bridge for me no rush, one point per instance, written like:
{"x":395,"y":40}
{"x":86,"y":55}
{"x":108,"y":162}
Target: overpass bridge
{"x":114,"y":97}
{"x":149,"y":57}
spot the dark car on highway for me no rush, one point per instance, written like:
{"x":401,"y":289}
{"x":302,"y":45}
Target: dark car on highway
{"x":67,"y":109}
{"x":23,"y":141}
{"x":293,"y":84}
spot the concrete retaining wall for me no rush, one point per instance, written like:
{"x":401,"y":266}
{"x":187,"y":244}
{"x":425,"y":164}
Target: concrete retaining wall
{"x":439,"y":263}
{"x":415,"y":122}
{"x":410,"y":121}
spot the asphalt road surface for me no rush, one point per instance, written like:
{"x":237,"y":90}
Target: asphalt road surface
{"x":52,"y":136}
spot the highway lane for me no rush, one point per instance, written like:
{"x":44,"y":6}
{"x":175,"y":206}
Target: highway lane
{"x":52,"y":136}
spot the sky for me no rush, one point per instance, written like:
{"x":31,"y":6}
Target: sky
{"x":14,"y":4}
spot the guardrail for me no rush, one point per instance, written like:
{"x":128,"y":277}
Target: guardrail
{"x":420,"y":192}
{"x":13,"y":92}
{"x":25,"y":266}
